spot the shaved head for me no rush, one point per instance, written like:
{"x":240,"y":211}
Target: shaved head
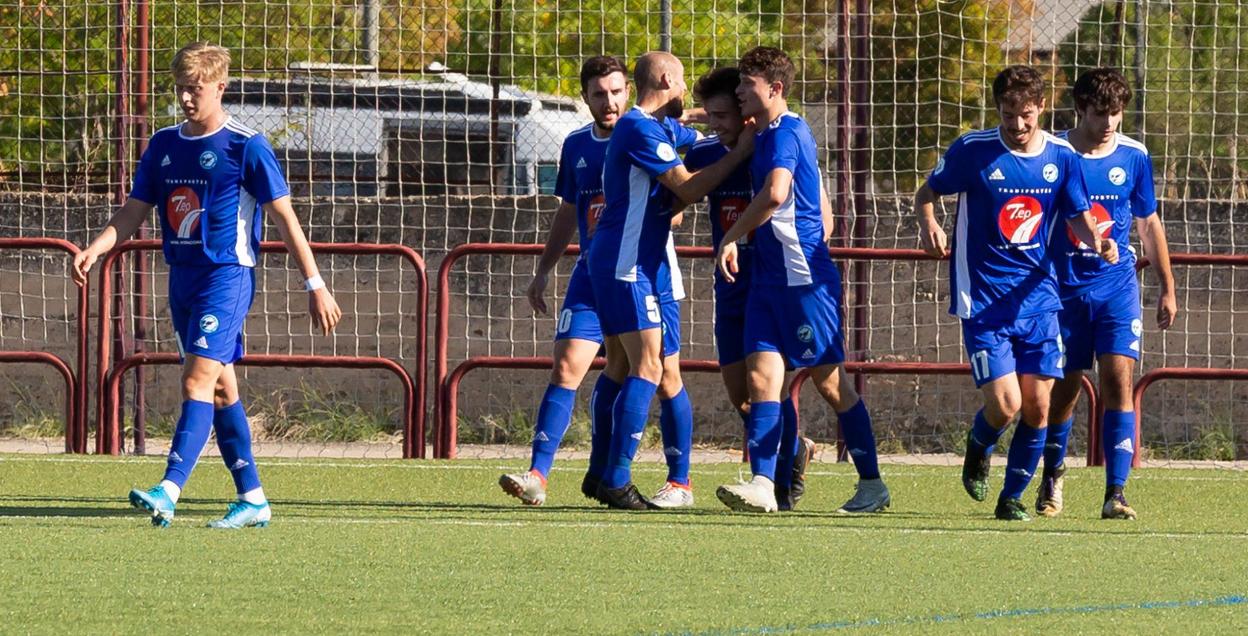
{"x":660,"y":81}
{"x":651,"y":67}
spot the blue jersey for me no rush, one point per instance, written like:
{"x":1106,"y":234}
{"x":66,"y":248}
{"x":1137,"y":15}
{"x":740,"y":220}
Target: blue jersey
{"x":208,"y":191}
{"x":1008,"y":204}
{"x":789,"y":248}
{"x":1120,"y":186}
{"x":633,"y":237}
{"x":726,"y":204}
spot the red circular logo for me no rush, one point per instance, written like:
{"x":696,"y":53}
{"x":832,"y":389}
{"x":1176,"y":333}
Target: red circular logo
{"x":182,"y":210}
{"x":1020,"y":219}
{"x":1104,"y":224}
{"x":594,"y":212}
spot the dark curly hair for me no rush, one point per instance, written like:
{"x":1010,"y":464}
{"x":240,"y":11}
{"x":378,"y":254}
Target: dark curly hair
{"x":1018,"y":84}
{"x":722,"y":81}
{"x":1104,"y":89}
{"x":770,"y":64}
{"x":600,"y":66}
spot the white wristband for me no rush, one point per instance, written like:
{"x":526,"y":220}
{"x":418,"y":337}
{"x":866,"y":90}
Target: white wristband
{"x":314,"y":283}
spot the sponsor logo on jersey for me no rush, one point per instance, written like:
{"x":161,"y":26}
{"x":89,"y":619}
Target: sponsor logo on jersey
{"x":805,"y":333}
{"x":593,"y":212}
{"x":581,"y":163}
{"x":1103,"y":226}
{"x":164,"y":162}
{"x":1019,"y":219}
{"x":730,"y":210}
{"x":1049,"y":172}
{"x":208,"y":160}
{"x":1117,"y":176}
{"x":996,"y":175}
{"x":182,"y":209}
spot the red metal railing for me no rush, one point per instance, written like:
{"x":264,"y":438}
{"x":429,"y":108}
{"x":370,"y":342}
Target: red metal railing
{"x":109,"y":426}
{"x":933,"y":368}
{"x":109,"y":440}
{"x":75,"y":383}
{"x":1172,"y":373}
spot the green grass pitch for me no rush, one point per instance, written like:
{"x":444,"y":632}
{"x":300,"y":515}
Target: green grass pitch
{"x":435,"y":547}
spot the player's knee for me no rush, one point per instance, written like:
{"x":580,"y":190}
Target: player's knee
{"x":565,"y":373}
{"x":1007,"y":404}
{"x":648,"y":368}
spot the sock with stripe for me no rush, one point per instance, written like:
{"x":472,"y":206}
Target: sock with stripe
{"x":676,"y":426}
{"x":632,"y":408}
{"x":553,"y":417}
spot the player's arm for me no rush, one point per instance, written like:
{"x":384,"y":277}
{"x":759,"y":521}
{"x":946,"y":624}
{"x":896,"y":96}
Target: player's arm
{"x":690,"y":187}
{"x":775,"y":192}
{"x":122,"y":226}
{"x":825,"y":211}
{"x":1157,"y":249}
{"x":932,"y":237}
{"x":321,"y":304}
{"x":562,"y":228}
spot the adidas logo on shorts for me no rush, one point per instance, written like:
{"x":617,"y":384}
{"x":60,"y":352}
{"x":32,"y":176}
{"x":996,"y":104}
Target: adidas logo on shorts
{"x":201,"y":342}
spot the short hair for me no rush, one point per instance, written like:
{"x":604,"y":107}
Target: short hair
{"x":719,"y":82}
{"x":600,"y":66}
{"x":770,"y":64}
{"x":1018,"y":84}
{"x":202,"y":61}
{"x":1104,"y":89}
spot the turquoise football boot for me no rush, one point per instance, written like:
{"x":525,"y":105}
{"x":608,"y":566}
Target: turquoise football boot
{"x":244,"y":515}
{"x":155,"y":501}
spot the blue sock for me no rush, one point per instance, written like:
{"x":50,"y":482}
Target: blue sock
{"x":676,"y":425}
{"x":1025,"y":451}
{"x":788,"y":444}
{"x":234,"y":440}
{"x":632,"y":409}
{"x":860,"y":440}
{"x":601,"y":403}
{"x":1118,"y":440}
{"x":1055,"y":443}
{"x":984,"y":436}
{"x":189,"y":439}
{"x":764,"y":438}
{"x":553,"y":417}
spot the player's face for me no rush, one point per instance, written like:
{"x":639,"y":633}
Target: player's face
{"x":607,"y":97}
{"x":1099,"y":126}
{"x":723,"y":117}
{"x":755,"y":94}
{"x":199,"y":100}
{"x":1020,"y":122}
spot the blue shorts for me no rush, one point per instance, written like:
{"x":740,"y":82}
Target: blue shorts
{"x":729,"y":333}
{"x":625,"y":307}
{"x":1105,"y":319}
{"x":1031,"y":345}
{"x":209,"y":306}
{"x":577,"y":318}
{"x":670,"y":310}
{"x":802,"y":323}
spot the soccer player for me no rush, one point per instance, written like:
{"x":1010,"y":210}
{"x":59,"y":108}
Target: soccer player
{"x":628,"y":259}
{"x":1101,"y":315}
{"x":1012,"y":182}
{"x":578,"y":334}
{"x":209,"y":178}
{"x":716,"y":91}
{"x":793,"y":313}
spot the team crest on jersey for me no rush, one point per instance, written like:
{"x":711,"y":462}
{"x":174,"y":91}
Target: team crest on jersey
{"x":209,"y":323}
{"x":940,"y":166}
{"x":665,"y":152}
{"x":1117,"y":176}
{"x":805,"y":333}
{"x":1103,"y":226}
{"x":593,"y":212}
{"x":182,"y":210}
{"x":1137,"y":327}
{"x":208,"y":160}
{"x":1050,"y":172}
{"x":1020,"y":219}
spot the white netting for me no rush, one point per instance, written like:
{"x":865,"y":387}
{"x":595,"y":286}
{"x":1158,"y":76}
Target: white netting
{"x":438,"y":122}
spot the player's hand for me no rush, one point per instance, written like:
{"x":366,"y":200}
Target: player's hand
{"x":693,"y":116}
{"x":536,"y":293}
{"x":726,"y":261}
{"x":745,"y":139}
{"x":82,"y":265}
{"x":1167,"y":309}
{"x":1109,"y":250}
{"x":933,"y":239}
{"x":324,"y":310}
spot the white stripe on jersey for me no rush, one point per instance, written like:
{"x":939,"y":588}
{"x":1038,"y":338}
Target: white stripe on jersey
{"x":242,"y":241}
{"x":959,"y":255}
{"x":638,"y":196}
{"x":981,"y":135}
{"x":678,"y":281}
{"x":1057,"y":140}
{"x":1131,"y":143}
{"x":241,"y":129}
{"x":784,"y":227}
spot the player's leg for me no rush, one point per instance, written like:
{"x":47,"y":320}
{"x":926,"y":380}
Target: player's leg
{"x":766,"y":380}
{"x":601,"y":405}
{"x":234,"y":441}
{"x":675,"y":418}
{"x":992,"y":368}
{"x":1050,"y":495}
{"x":644,"y":350}
{"x":871,"y":495}
{"x":1037,"y":345}
{"x":1118,"y":432}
